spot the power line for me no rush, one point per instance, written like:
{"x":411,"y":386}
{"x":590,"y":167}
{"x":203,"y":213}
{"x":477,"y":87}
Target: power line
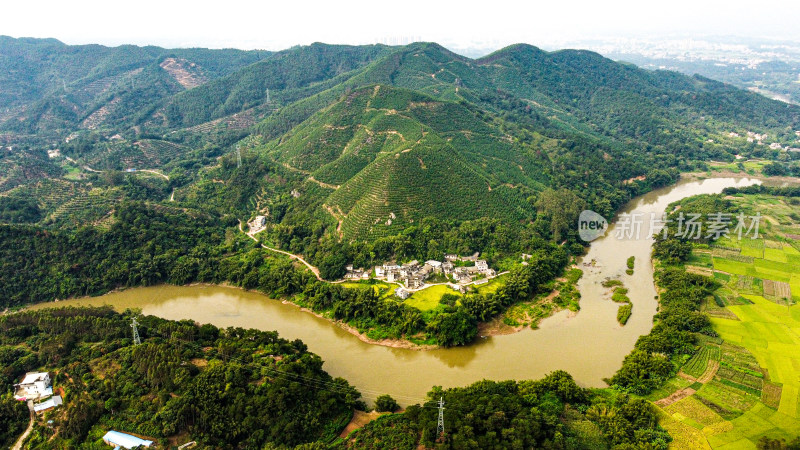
{"x":136,"y":339}
{"x":440,"y":425}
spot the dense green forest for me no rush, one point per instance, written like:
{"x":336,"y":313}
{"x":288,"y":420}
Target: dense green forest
{"x":551,"y":413}
{"x":226,"y":388}
{"x":368,"y":140}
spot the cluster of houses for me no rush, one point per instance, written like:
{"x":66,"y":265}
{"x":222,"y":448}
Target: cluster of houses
{"x":37,"y":386}
{"x":412,"y":275}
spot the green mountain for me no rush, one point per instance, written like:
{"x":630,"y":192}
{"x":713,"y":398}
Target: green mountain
{"x":387,"y":136}
{"x":46,"y":84}
{"x":394,"y":156}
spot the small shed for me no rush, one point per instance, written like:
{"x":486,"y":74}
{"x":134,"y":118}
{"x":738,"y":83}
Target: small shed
{"x":51,"y":403}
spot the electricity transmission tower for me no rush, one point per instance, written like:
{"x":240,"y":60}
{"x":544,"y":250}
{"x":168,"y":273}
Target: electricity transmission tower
{"x":136,"y":339}
{"x":238,"y":157}
{"x":440,"y":428}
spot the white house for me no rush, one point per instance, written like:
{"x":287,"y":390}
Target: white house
{"x":402,"y":293}
{"x":481,"y":264}
{"x":34,"y":385}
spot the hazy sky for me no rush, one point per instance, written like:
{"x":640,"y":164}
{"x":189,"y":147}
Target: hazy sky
{"x":463,"y":24}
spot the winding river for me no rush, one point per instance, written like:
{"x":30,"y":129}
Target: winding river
{"x":590,"y":344}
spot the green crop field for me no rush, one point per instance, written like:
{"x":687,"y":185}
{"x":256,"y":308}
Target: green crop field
{"x":697,"y":365}
{"x":731,"y":410}
{"x":755,"y":391}
{"x":492,"y":286}
{"x":701,"y":258}
{"x":428,"y":299}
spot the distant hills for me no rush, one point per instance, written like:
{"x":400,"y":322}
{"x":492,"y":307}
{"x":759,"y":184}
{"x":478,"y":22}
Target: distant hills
{"x":386,"y":135}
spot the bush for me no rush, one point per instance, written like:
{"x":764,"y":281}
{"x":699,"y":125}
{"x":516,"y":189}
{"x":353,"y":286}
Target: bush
{"x":385,"y":403}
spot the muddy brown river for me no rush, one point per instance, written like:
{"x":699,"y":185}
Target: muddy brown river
{"x":590,"y":344}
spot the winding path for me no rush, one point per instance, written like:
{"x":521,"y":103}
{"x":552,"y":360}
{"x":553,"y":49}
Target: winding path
{"x":18,"y":445}
{"x":87,"y":168}
{"x":313,"y":269}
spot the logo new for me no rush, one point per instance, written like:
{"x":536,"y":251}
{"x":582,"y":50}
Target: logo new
{"x":591,"y":225}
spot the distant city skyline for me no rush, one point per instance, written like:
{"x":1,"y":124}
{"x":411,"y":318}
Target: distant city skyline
{"x":467,"y":26}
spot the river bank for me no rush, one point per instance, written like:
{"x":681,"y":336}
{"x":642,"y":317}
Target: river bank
{"x":590,"y":344}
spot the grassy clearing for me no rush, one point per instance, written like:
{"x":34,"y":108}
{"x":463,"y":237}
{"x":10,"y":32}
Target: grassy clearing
{"x":492,"y":286}
{"x":428,"y":299}
{"x":743,"y":167}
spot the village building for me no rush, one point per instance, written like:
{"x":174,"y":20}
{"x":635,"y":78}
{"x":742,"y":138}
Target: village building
{"x":356,"y":274}
{"x":474,"y":257}
{"x":117,"y":440}
{"x":258,"y":224}
{"x":53,"y":402}
{"x":458,"y":288}
{"x":402,"y":293}
{"x":413,"y":275}
{"x":34,"y":385}
{"x":435,"y":265}
{"x":414,"y":282}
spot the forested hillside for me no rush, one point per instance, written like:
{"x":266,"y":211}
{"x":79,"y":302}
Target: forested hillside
{"x":486,"y":134}
{"x":226,"y":388}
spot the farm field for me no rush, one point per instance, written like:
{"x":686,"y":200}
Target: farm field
{"x":745,"y":384}
{"x":428,"y":299}
{"x":757,"y":266}
{"x":750,"y":167}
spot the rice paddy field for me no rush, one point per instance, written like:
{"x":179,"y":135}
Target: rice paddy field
{"x":744,"y":385}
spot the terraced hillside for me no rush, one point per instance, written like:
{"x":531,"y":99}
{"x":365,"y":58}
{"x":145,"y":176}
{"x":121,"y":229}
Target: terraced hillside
{"x":396,"y":156}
